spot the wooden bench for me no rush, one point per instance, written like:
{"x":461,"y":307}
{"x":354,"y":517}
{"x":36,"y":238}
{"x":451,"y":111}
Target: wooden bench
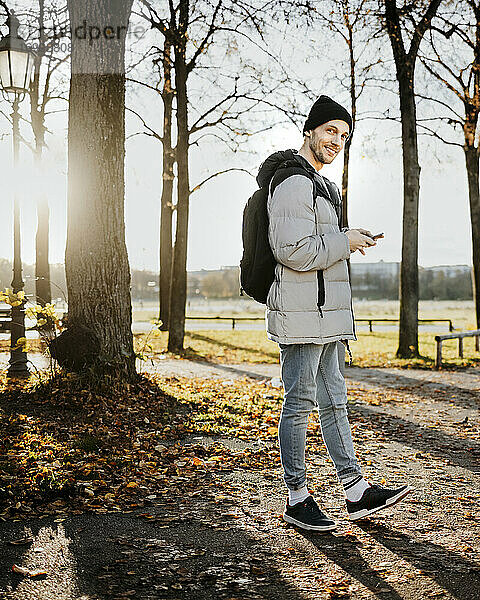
{"x":439,"y":339}
{"x":5,"y":319}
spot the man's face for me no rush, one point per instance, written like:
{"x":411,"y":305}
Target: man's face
{"x":327,"y":140}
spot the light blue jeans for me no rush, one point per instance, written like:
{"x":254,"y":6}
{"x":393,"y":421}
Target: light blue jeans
{"x":312,"y":378}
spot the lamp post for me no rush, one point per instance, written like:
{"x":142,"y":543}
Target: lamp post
{"x":16,"y":62}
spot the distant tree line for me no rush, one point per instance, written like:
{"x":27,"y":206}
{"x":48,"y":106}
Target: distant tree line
{"x":144,"y":284}
{"x":438,"y":285}
{"x":435,"y":284}
{"x":58,"y":284}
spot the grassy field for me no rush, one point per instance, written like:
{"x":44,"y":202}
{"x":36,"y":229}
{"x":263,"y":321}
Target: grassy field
{"x":462,"y":313}
{"x":375,"y":349}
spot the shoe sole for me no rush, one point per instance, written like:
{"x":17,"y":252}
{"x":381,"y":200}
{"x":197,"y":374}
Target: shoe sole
{"x":293,"y":521}
{"x":390,"y":502}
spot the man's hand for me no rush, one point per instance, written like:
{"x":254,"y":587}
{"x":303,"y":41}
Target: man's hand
{"x":360,"y":239}
{"x":363,"y":231}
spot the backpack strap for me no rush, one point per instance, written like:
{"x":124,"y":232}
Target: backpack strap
{"x":321,"y":185}
{"x":335,"y":198}
{"x":287,"y":169}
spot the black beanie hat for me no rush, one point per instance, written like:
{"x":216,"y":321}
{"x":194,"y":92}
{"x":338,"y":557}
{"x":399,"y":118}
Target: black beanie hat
{"x":325,"y":109}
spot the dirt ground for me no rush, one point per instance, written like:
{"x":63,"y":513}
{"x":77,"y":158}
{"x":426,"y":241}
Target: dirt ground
{"x":227,"y":540}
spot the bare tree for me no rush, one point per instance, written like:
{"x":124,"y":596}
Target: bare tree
{"x":166,"y":203}
{"x":410,"y":21}
{"x":40,"y":97}
{"x":42,"y":92}
{"x":178,"y":290}
{"x":351,"y":21}
{"x":454,"y":60}
{"x":162,"y":63}
{"x":190,"y":43}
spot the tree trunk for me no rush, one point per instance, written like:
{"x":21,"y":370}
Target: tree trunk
{"x":178,"y":295}
{"x":353,"y":103}
{"x":42,"y":267}
{"x":346,"y":159}
{"x":471,"y":160}
{"x":405,"y":70}
{"x":408,"y":327}
{"x":167,"y":192}
{"x":43,"y":290}
{"x":96,"y":261}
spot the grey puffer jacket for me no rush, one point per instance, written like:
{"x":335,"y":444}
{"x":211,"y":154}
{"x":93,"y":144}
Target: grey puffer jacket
{"x":310,"y":298}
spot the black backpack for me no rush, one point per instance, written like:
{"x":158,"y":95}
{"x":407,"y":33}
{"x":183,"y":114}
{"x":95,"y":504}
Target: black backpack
{"x":257,"y":266}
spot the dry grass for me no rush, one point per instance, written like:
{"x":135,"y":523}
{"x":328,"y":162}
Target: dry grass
{"x":375,"y":349}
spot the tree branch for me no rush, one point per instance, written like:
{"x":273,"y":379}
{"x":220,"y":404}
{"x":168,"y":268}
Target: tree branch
{"x":5,"y":7}
{"x":217,"y":174}
{"x":435,"y":134}
{"x":421,"y":28}
{"x":191,"y":63}
{"x":147,"y":85}
{"x":155,"y":21}
{"x":394,"y":30}
{"x":152,"y":133}
{"x":423,"y":97}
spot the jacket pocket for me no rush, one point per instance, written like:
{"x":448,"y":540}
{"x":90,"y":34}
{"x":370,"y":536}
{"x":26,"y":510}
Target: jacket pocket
{"x":320,"y":291}
{"x":274,"y":297}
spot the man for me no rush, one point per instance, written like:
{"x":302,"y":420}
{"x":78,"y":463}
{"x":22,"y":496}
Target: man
{"x":309,"y":311}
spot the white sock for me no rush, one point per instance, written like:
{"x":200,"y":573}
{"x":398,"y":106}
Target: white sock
{"x":354,"y":487}
{"x":295,"y":496}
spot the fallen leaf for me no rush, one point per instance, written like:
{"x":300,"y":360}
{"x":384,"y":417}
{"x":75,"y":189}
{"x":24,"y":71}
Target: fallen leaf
{"x":27,"y":572}
{"x":20,"y":541}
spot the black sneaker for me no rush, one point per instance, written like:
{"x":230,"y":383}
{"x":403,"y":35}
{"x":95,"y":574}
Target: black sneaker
{"x":307,"y":515}
{"x":375,"y":498}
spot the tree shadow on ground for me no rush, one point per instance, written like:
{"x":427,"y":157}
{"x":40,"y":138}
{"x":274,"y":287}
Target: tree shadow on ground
{"x":237,"y":371}
{"x":460,"y":451}
{"x":224,"y":344}
{"x":450,"y":570}
{"x":346,"y":554}
{"x":419,"y":387}
{"x":109,"y":556}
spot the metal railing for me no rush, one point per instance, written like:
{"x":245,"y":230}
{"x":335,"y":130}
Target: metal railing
{"x":388,"y":320}
{"x":365,"y":320}
{"x":232,"y":319}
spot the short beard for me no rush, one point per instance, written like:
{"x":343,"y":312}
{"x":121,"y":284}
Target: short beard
{"x":319,"y":156}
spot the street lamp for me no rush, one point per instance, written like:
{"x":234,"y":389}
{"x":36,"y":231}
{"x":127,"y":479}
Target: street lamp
{"x":16,"y":59}
{"x":16,"y":62}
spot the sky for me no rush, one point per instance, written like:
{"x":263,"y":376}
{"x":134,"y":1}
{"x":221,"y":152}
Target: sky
{"x":375,"y":193}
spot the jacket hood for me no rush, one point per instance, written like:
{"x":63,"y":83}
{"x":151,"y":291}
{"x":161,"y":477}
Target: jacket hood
{"x":271,"y":164}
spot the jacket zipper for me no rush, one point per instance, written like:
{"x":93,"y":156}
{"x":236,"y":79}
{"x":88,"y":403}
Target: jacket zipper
{"x":320,"y":292}
{"x":320,"y":281}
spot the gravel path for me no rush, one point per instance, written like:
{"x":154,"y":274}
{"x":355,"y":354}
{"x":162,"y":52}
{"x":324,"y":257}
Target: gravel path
{"x":468,"y":379}
{"x":409,"y":425}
